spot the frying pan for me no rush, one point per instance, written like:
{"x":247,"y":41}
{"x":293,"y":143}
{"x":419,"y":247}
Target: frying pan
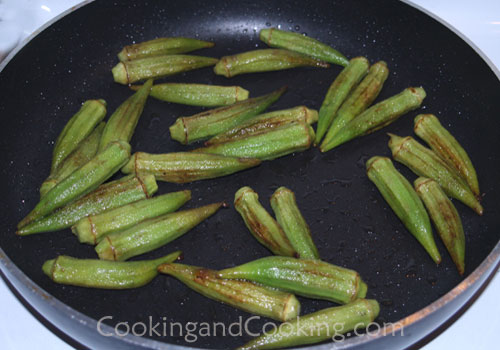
{"x":70,"y":61}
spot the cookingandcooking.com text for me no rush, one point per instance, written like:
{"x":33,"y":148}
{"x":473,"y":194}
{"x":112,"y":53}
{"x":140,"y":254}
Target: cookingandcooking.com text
{"x":191,"y":331}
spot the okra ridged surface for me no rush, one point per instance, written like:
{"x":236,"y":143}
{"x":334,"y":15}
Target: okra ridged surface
{"x":445,"y":217}
{"x":182,"y":167}
{"x":310,"y":278}
{"x":244,"y":295}
{"x":424,"y":162}
{"x":404,"y":201}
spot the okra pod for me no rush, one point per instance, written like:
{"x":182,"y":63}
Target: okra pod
{"x":264,"y":61}
{"x":302,"y":44}
{"x":85,"y":151}
{"x":264,"y":122}
{"x":107,"y":196}
{"x":404,"y":201}
{"x":319,"y":326}
{"x":94,"y":273}
{"x":77,"y":129}
{"x":243,"y":295}
{"x":377,"y":116}
{"x":182,"y":167}
{"x":293,"y":223}
{"x":270,"y":144}
{"x":93,"y":228}
{"x":152,"y":233}
{"x":158,"y":67}
{"x":212,"y":122}
{"x":260,"y":224}
{"x":82,"y":181}
{"x":445,"y":217}
{"x":360,"y":99}
{"x":310,"y":278}
{"x":161,"y":46}
{"x":343,"y":84}
{"x":424,"y":162}
{"x":197,"y":94}
{"x":429,"y":129}
{"x":121,"y":125}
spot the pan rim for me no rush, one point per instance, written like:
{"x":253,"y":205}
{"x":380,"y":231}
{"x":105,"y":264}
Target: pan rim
{"x":488,"y":265}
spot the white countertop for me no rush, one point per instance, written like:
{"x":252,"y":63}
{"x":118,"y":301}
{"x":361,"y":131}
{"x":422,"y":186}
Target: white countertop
{"x":477,"y":328}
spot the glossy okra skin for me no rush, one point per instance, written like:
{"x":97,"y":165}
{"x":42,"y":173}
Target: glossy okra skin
{"x":158,"y":67}
{"x":82,"y":181}
{"x":161,"y":46}
{"x":319,"y":326}
{"x":302,"y":44}
{"x":152,"y":233}
{"x":79,"y":127}
{"x":246,"y":296}
{"x":266,"y":121}
{"x":85,"y":151}
{"x":310,"y":278}
{"x":343,"y":84}
{"x":202,"y":95}
{"x":260,"y":224}
{"x":121,"y":125}
{"x":445,"y":217}
{"x":377,"y":116}
{"x":107,"y":196}
{"x":360,"y":99}
{"x":93,"y":228}
{"x":293,"y":223}
{"x":212,"y":122}
{"x":267,"y":145}
{"x":404,"y":201}
{"x":264,"y":60}
{"x":424,"y":162}
{"x":182,"y":167}
{"x":94,"y":273}
{"x":429,"y":129}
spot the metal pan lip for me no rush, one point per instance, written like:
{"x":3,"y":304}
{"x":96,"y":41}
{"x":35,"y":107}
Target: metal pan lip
{"x":489,"y":265}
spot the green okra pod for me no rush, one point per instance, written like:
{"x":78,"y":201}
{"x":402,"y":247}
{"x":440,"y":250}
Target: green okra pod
{"x":161,"y":46}
{"x":152,"y":233}
{"x":377,"y":116}
{"x":319,"y":326}
{"x":77,"y":129}
{"x":121,"y":125}
{"x":404,"y":201}
{"x":445,"y":217}
{"x":82,"y":181}
{"x":310,"y":278}
{"x":424,"y":162}
{"x":197,"y":94}
{"x":267,"y":145}
{"x":302,"y":44}
{"x":182,"y":167}
{"x":94,"y":273}
{"x":158,"y":67}
{"x":264,"y":122}
{"x":212,"y":122}
{"x":93,"y":228}
{"x":246,"y":296}
{"x":85,"y":151}
{"x":293,"y":223}
{"x":264,"y":61}
{"x":360,"y":99}
{"x":107,"y":196}
{"x":429,"y":129}
{"x":260,"y":224}
{"x":343,"y":84}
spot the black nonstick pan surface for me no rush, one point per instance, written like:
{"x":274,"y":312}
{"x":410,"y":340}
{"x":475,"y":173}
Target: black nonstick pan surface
{"x":71,"y":61}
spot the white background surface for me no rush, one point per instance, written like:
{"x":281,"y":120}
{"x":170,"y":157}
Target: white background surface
{"x":478,"y":327}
